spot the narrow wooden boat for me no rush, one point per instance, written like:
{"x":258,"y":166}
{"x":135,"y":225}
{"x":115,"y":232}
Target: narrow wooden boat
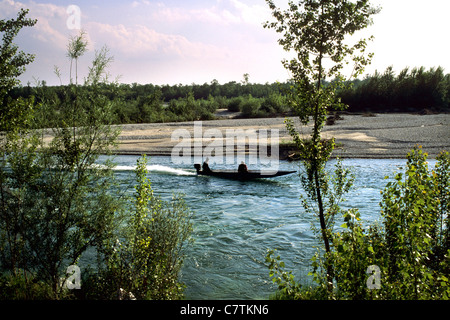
{"x":234,"y":174}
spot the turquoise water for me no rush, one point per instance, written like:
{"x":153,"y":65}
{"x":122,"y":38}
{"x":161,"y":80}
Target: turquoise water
{"x":236,"y":222}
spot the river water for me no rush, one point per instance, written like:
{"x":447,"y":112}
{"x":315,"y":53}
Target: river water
{"x":236,"y":222}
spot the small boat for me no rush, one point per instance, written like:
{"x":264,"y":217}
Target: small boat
{"x":236,"y":175}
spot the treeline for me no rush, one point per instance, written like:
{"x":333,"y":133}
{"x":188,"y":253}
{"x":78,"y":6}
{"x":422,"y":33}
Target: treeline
{"x":415,"y":90}
{"x":150,"y":103}
{"x":412,"y":90}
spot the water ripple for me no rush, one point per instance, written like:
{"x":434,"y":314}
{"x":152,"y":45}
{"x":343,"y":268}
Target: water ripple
{"x":236,"y":222}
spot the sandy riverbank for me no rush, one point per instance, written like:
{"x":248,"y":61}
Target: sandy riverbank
{"x":357,"y":136}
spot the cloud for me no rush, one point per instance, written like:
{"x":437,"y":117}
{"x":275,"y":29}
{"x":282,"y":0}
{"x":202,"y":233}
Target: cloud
{"x":225,"y":12}
{"x":142,"y":41}
{"x":152,"y":42}
{"x":50,"y":29}
{"x":251,"y":14}
{"x":142,"y":54}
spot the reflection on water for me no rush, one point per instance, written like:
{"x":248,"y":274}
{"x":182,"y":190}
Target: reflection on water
{"x":236,"y":222}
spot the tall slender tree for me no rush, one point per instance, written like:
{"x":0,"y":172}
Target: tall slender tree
{"x":317,"y":32}
{"x":75,"y":49}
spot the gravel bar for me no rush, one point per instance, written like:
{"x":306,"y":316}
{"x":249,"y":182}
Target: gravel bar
{"x":357,"y":136}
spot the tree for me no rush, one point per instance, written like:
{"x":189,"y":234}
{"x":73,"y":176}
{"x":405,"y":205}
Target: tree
{"x":13,"y":113}
{"x":15,"y":117}
{"x":317,"y":32}
{"x":76,"y":48}
{"x":57,"y":203}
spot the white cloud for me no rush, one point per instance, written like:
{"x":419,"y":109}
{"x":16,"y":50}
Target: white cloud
{"x":254,"y":14}
{"x":152,"y":42}
{"x":228,"y":12}
{"x":142,"y":41}
{"x":50,"y":28}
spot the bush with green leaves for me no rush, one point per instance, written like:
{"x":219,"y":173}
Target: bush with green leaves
{"x":146,"y":258}
{"x":59,"y":200}
{"x":234,"y":104}
{"x":274,"y":103}
{"x":250,"y":107}
{"x":415,"y":208}
{"x":410,"y":246}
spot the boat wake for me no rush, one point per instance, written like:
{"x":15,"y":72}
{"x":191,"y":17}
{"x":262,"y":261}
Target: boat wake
{"x":158,"y":168}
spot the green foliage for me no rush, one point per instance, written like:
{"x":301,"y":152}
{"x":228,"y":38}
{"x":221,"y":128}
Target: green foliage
{"x":234,"y":104}
{"x":274,"y":104}
{"x":190,"y":109}
{"x":250,"y":106}
{"x":415,"y":209}
{"x":417,"y":90}
{"x":23,"y":286}
{"x":316,"y":30}
{"x":411,"y":90}
{"x":288,"y":288}
{"x":410,"y":246}
{"x":76,"y":48}
{"x":353,"y":253}
{"x":14,"y":113}
{"x":147,"y":259}
{"x":57,"y":203}
{"x":149,"y":104}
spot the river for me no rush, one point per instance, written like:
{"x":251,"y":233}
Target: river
{"x":236,"y":222}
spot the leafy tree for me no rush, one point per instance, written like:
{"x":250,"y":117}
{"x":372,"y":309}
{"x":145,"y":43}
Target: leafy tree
{"x":57,"y":203}
{"x":14,"y":113}
{"x":317,"y":30}
{"x":250,"y":106}
{"x":76,"y":48}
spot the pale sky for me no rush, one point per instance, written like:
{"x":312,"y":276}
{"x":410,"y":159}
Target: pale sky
{"x":197,"y":41}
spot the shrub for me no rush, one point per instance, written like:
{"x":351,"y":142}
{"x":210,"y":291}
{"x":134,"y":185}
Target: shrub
{"x":147,"y":259}
{"x":251,"y":107}
{"x":56,"y":203}
{"x":415,"y":208}
{"x":274,"y":103}
{"x":234,"y":104}
{"x":411,"y":246}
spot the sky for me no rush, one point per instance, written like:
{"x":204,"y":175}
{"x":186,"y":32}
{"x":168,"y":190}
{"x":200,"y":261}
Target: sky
{"x":198,"y":41}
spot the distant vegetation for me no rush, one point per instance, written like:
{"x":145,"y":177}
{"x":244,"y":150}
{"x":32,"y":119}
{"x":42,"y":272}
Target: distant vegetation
{"x":412,"y":90}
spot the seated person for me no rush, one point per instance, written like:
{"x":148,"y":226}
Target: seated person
{"x":242,"y":167}
{"x":205,"y":166}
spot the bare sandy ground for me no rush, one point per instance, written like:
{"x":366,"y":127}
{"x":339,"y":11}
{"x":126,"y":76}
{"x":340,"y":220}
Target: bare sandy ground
{"x":357,"y":136}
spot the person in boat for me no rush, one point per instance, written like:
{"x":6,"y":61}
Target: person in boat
{"x":205,"y":166}
{"x":242,"y":168}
